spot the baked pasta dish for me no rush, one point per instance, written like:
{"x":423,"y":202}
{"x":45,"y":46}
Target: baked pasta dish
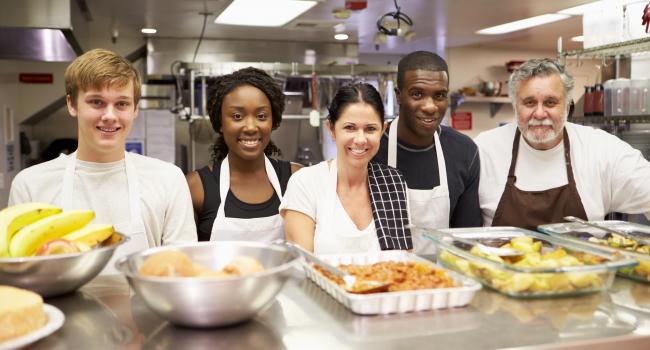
{"x":399,"y":276}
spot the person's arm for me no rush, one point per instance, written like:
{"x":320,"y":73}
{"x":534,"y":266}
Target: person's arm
{"x":298,"y":209}
{"x":299,"y":228}
{"x":178,"y":222}
{"x":467,"y":212}
{"x":18,"y":193}
{"x":629,"y":180}
{"x":196,"y":192}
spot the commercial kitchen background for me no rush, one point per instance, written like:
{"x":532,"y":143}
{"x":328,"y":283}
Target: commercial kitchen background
{"x":447,"y":27}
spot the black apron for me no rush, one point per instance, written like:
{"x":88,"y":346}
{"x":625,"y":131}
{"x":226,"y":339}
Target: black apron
{"x":529,"y":209}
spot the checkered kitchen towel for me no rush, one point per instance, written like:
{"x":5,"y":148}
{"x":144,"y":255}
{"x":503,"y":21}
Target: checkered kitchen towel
{"x":389,"y":206}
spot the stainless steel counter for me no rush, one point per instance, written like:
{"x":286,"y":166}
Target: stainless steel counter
{"x":105,"y":314}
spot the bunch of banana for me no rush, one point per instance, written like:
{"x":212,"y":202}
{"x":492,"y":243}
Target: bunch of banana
{"x":41,"y":228}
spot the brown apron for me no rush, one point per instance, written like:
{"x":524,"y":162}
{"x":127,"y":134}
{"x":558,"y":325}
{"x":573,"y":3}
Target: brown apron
{"x":528,"y":209}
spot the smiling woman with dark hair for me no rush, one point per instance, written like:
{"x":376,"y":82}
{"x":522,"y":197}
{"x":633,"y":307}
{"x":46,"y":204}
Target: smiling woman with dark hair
{"x":349,"y":204}
{"x":237,"y":196}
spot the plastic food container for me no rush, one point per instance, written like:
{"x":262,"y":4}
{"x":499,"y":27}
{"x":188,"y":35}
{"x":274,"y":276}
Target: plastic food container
{"x":546,"y":279}
{"x":393,"y":302}
{"x":631,"y":246}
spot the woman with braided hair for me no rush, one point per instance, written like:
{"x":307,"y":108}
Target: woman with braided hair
{"x":237,"y":196}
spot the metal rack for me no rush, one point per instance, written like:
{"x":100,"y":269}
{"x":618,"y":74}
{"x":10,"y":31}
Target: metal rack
{"x":609,"y":50}
{"x":193,"y":72}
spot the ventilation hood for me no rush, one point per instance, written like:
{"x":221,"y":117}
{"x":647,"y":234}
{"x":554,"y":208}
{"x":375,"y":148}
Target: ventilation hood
{"x":39,"y":30}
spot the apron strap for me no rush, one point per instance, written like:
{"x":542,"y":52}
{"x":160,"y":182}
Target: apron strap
{"x":515,"y":152}
{"x":567,"y":158}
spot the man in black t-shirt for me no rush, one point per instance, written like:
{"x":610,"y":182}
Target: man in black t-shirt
{"x":441,"y":165}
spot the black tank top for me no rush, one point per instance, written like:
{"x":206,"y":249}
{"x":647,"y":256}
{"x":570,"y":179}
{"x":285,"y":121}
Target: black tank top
{"x":234,"y":208}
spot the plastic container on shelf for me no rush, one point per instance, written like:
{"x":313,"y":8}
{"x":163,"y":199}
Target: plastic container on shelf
{"x":607,"y":97}
{"x":588,"y":101}
{"x":549,"y":267}
{"x":639,"y":96}
{"x":621,"y":97}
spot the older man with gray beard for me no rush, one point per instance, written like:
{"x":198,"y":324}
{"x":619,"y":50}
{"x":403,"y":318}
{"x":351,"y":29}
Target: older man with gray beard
{"x":543,"y":168}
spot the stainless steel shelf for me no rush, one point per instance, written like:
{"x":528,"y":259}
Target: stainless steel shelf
{"x":495,"y":102}
{"x":622,"y":48}
{"x":621,"y":119}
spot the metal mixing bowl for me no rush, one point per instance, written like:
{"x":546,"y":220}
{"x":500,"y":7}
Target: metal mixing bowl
{"x":212,"y":302}
{"x":54,"y":275}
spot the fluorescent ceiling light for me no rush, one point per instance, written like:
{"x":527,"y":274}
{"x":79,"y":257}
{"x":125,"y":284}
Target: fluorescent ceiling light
{"x":522,"y":24}
{"x":341,"y":36}
{"x":263,"y":13}
{"x":578,"y":39}
{"x":148,"y":30}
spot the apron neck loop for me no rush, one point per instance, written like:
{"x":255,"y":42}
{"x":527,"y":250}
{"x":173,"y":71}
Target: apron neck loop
{"x":515,"y":152}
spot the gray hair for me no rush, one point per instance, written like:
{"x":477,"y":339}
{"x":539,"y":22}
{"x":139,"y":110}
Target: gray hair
{"x":539,"y":67}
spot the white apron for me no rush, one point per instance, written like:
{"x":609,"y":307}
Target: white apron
{"x":133,"y":227}
{"x":329,"y":238}
{"x":264,"y":229}
{"x":428,"y":208}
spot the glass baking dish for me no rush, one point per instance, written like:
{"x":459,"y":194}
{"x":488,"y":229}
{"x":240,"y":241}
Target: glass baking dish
{"x":546,"y":273}
{"x":634,"y":242}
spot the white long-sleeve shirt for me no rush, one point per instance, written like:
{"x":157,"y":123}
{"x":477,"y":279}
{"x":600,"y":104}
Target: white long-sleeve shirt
{"x":610,"y":175}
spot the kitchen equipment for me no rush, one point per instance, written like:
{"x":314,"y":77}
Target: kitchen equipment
{"x":393,"y":302}
{"x":485,"y":249}
{"x":351,"y":283}
{"x":212,"y":302}
{"x":54,"y":275}
{"x":490,"y":88}
{"x":598,"y":226}
{"x":293,"y":102}
{"x":550,"y":276}
{"x":598,"y":234}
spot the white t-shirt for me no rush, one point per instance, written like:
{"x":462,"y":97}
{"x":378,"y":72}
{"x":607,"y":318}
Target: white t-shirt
{"x":335,"y":233}
{"x":610,"y":175}
{"x":540,"y":170}
{"x":165,"y":200}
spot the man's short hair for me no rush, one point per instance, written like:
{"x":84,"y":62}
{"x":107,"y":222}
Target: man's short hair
{"x":539,"y":67}
{"x":423,"y":60}
{"x":97,"y":69}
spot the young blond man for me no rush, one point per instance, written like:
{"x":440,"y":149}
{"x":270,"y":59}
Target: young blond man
{"x":145,"y":198}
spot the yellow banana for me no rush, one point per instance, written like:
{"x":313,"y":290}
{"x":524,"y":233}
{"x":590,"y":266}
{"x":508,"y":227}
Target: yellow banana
{"x":90,"y":235}
{"x":32,"y":236}
{"x":18,"y":216}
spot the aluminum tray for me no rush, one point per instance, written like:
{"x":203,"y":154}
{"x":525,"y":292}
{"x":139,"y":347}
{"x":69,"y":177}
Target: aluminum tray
{"x":527,"y":282}
{"x":575,"y":232}
{"x":393,"y":302}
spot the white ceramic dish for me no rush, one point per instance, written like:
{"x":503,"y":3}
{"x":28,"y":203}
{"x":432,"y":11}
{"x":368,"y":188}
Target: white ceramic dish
{"x":55,"y":319}
{"x":393,"y":302}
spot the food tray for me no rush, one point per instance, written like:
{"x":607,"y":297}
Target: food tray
{"x":393,"y":302}
{"x":526,"y":282}
{"x":580,"y":233}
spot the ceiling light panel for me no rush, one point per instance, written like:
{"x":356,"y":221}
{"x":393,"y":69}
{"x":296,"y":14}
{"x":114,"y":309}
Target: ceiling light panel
{"x":522,"y":24}
{"x":263,"y":13}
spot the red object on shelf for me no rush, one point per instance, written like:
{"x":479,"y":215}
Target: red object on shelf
{"x":36,"y":78}
{"x":512,"y":65}
{"x":356,"y":4}
{"x":461,"y":120}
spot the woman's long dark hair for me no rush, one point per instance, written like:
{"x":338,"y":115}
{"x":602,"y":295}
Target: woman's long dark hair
{"x":225,"y":84}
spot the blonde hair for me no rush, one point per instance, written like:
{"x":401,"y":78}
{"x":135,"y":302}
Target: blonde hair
{"x":97,"y":69}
